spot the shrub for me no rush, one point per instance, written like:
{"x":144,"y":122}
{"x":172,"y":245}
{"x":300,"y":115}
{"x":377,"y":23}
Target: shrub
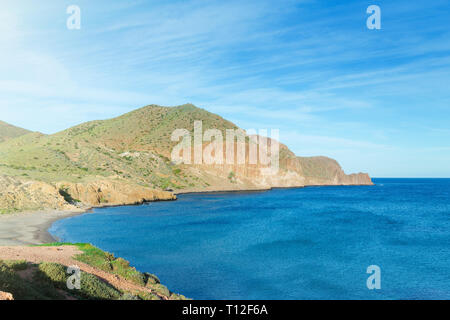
{"x":151,"y":279}
{"x":176,"y":296}
{"x":148,"y":296}
{"x":129,"y":296}
{"x":22,"y":289}
{"x":93,"y":288}
{"x":53,"y":272}
{"x":16,"y":265}
{"x":161,"y":289}
{"x":107,"y":262}
{"x":67,"y":197}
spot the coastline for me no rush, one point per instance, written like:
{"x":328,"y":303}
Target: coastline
{"x":31,"y":228}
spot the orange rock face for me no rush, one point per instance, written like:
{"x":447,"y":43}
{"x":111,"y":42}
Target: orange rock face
{"x":6,"y":296}
{"x":112,"y":193}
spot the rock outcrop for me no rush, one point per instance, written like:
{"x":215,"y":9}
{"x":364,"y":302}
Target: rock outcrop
{"x":17,"y":194}
{"x":111,"y":193}
{"x":325,"y":171}
{"x":6,"y":296}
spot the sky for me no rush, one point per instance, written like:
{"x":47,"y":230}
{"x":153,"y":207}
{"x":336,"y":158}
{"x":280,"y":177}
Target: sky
{"x":378,"y":101}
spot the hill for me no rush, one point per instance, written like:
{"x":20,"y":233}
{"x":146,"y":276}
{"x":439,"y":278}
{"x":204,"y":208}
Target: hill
{"x":8,"y":131}
{"x":127,"y":160}
{"x":40,"y":273}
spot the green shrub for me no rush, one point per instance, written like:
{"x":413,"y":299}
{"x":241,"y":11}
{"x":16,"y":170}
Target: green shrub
{"x":122,"y":268}
{"x":129,"y":296}
{"x":107,"y":262}
{"x":16,"y":265}
{"x":95,"y":257}
{"x":151,"y":279}
{"x":176,"y":296}
{"x":161,"y":289}
{"x":93,"y":288}
{"x":148,"y":296}
{"x":54,"y":272}
{"x":24,"y":290}
{"x":67,"y":197}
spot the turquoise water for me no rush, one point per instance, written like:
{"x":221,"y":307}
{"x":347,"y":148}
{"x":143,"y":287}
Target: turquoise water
{"x":309,"y":243}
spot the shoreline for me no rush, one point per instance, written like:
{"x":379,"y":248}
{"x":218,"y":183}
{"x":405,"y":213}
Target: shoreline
{"x":31,"y":227}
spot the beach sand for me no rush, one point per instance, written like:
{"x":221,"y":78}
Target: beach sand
{"x":30,"y":227}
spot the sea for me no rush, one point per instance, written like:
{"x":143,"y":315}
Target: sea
{"x":387,"y":241}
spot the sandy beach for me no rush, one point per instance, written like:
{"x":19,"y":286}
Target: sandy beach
{"x":30,"y":227}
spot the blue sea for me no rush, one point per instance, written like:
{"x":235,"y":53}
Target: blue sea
{"x":306,"y":243}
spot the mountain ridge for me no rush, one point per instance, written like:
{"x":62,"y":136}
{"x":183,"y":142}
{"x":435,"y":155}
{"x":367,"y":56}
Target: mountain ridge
{"x":9,"y":131}
{"x":126,"y":160}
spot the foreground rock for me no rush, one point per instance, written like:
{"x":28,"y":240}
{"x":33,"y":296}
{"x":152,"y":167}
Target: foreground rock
{"x":17,"y":194}
{"x":6,"y":296}
{"x":112,"y":193}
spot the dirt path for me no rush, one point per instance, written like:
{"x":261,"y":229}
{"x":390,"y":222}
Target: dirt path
{"x":64,"y":255}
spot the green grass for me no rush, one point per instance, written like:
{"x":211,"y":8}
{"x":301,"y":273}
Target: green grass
{"x":16,"y":265}
{"x":25,"y":290}
{"x":8,"y":131}
{"x":109,"y":263}
{"x":82,"y":153}
{"x":48,"y":281}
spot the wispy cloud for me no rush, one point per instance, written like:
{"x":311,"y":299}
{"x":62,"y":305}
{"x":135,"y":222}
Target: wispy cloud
{"x":310,"y":69}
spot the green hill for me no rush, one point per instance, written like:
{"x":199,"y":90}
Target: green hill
{"x":126,"y":160}
{"x":135,"y":146}
{"x":8,"y":131}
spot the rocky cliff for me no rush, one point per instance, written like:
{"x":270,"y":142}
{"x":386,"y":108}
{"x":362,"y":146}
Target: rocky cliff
{"x":127,"y":160}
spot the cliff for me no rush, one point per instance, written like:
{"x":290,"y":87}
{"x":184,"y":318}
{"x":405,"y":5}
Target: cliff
{"x":127,"y":160}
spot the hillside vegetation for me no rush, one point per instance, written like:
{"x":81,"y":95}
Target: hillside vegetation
{"x":103,"y":276}
{"x":126,"y":160}
{"x":8,"y":131}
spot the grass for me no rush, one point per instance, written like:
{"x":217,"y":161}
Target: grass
{"x":8,"y":131}
{"x":48,"y":281}
{"x":22,"y":289}
{"x":16,"y":265}
{"x":118,"y":266}
{"x":107,"y":262}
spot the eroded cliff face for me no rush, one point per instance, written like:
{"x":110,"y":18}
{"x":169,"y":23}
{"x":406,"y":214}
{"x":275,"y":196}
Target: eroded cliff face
{"x":21,"y":195}
{"x":18,"y":194}
{"x":112,"y":193}
{"x":292,"y":171}
{"x":325,"y":171}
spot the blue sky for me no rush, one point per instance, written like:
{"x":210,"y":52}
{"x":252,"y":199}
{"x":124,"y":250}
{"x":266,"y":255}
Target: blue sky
{"x":378,"y":101}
